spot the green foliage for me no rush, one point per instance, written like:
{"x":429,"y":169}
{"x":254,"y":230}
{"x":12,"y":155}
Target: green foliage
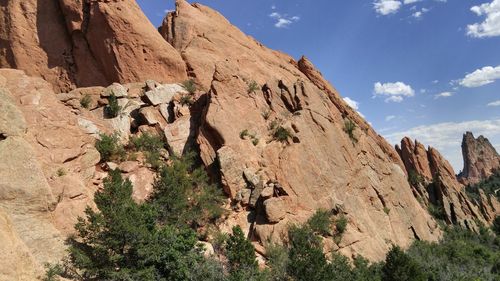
{"x":253,"y":87}
{"x":186,"y":100}
{"x":460,"y":255}
{"x":151,"y":145}
{"x":240,"y":253}
{"x":86,"y":101}
{"x":52,"y":272}
{"x":266,"y":114}
{"x":255,"y":141}
{"x":244,"y":134}
{"x":183,"y":195}
{"x":61,"y":172}
{"x":387,"y":210}
{"x":110,"y":148}
{"x":277,"y":260}
{"x":282,"y":134}
{"x":122,"y":241}
{"x":436,"y":211}
{"x":496,"y":225}
{"x":113,"y":109}
{"x":320,"y":222}
{"x":190,"y":86}
{"x":307,"y":260}
{"x":349,"y":128}
{"x":414,"y":178}
{"x":399,"y":266}
{"x":341,"y":224}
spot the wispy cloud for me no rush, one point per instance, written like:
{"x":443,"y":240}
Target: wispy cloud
{"x":283,"y":20}
{"x":390,"y":117}
{"x":494,"y":103}
{"x":481,"y":77}
{"x":443,"y":95}
{"x":394,"y":92}
{"x":490,"y":27}
{"x":353,"y":104}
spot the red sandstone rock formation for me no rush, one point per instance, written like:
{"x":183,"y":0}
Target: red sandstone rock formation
{"x":480,"y":159}
{"x":85,"y":43}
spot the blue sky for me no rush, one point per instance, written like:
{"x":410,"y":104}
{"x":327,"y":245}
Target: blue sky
{"x":429,"y":69}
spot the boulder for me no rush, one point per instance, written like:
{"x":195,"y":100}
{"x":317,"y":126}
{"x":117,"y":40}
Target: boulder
{"x":115,"y":89}
{"x":179,"y":135}
{"x":164,"y":94}
{"x":275,"y":209}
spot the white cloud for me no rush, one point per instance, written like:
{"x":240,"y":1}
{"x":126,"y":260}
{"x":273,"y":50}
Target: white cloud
{"x":419,"y":14}
{"x":386,"y":7}
{"x":410,"y":1}
{"x":389,"y":118}
{"x":447,"y":137}
{"x":481,"y":77}
{"x":494,"y":103}
{"x":491,"y":25}
{"x":283,"y":20}
{"x":395,"y":91}
{"x":352,"y":103}
{"x":443,"y":95}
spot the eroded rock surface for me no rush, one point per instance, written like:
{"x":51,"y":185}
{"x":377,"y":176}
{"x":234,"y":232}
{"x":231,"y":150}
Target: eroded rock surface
{"x":480,"y":159}
{"x":85,"y":43}
{"x":318,"y":165}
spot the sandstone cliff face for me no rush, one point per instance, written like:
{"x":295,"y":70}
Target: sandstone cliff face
{"x":85,"y":43}
{"x":480,"y":159}
{"x":434,"y":183}
{"x":320,"y":166}
{"x":39,"y":203}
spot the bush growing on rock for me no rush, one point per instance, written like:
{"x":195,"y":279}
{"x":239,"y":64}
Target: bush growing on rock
{"x":282,"y":134}
{"x":341,"y":224}
{"x":240,"y":253}
{"x":349,"y":127}
{"x":183,"y":194}
{"x":113,"y":109}
{"x":252,"y":87}
{"x":86,"y":101}
{"x":190,"y":86}
{"x":110,"y":148}
{"x":151,"y":145}
{"x":320,"y":222}
{"x":399,"y":266}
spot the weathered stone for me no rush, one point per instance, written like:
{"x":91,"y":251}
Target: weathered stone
{"x":128,"y":166}
{"x":115,"y":89}
{"x":480,"y":159}
{"x":142,"y":180}
{"x":164,"y":93}
{"x":178,"y":135}
{"x":208,"y":249}
{"x":151,"y":115}
{"x":275,"y":209}
{"x":267,"y":192}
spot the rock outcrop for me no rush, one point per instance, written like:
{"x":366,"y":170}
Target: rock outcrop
{"x":289,"y":133}
{"x":85,"y":43}
{"x":435,"y":184}
{"x":480,"y":159}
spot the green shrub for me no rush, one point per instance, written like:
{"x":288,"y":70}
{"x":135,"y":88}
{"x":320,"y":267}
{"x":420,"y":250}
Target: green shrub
{"x":244,"y":134}
{"x":110,"y":148}
{"x":437,"y":211}
{"x":277,"y":260}
{"x":349,"y":128}
{"x":86,"y":101}
{"x":341,"y":224}
{"x":123,"y":241}
{"x":387,"y":210}
{"x":190,"y":86}
{"x":399,"y":266}
{"x":52,"y":272}
{"x":253,"y":87}
{"x":113,"y":109}
{"x":183,"y":194}
{"x":255,"y":141}
{"x":496,"y":225}
{"x":240,"y":252}
{"x":490,"y":186}
{"x":61,"y":172}
{"x":320,"y":222}
{"x":151,"y":145}
{"x":414,"y":178}
{"x":266,"y":114}
{"x":186,"y":100}
{"x":282,"y":134}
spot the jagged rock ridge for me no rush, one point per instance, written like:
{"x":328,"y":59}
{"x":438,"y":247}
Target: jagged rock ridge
{"x":480,"y":159}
